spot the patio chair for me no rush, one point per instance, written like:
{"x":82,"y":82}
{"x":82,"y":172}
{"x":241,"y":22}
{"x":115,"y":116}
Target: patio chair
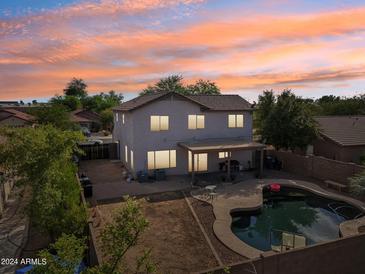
{"x":212,"y":196}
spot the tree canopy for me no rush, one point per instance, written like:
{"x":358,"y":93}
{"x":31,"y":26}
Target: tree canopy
{"x":56,"y":115}
{"x":76,"y":87}
{"x":119,"y":236}
{"x":102,"y":101}
{"x":70,"y":251}
{"x":336,"y":105}
{"x":284,"y":121}
{"x":41,"y":158}
{"x":175,"y":83}
{"x":203,"y":87}
{"x":68,"y":101}
{"x":107,"y":119}
{"x":76,"y":96}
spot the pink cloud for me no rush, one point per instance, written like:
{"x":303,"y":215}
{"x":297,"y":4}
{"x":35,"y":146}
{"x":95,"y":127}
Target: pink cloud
{"x":40,"y":53}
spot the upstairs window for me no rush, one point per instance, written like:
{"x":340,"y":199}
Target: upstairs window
{"x":196,"y":121}
{"x":224,"y":154}
{"x":235,"y":120}
{"x":159,"y":123}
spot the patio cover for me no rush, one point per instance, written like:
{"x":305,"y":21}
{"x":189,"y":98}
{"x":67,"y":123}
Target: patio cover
{"x":232,"y":144}
{"x":221,"y":145}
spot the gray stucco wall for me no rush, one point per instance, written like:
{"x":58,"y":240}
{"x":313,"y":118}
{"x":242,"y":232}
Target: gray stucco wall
{"x":136,"y":133}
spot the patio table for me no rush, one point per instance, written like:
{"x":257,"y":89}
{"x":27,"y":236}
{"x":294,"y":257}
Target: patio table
{"x":211,"y":187}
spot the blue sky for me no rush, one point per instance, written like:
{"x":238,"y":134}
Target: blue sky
{"x":312,"y":47}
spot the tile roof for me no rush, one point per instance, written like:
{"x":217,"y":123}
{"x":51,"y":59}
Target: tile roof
{"x":344,"y":130}
{"x":83,"y":115}
{"x":210,"y":102}
{"x":222,"y":102}
{"x":18,"y":114}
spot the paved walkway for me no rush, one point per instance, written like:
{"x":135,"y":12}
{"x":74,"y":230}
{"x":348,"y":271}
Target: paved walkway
{"x":108,"y":183}
{"x":13,"y":228}
{"x":247,"y":195}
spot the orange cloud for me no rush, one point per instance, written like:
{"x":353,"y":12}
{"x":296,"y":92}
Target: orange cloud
{"x":40,"y":53}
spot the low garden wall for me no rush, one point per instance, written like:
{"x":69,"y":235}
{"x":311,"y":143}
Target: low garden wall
{"x":317,"y":167}
{"x":343,"y":256}
{"x":93,"y":256}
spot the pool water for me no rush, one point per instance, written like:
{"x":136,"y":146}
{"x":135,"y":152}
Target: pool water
{"x":295,"y":211}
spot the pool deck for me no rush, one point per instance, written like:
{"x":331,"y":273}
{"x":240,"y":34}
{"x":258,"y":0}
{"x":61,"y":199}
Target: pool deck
{"x":247,"y":195}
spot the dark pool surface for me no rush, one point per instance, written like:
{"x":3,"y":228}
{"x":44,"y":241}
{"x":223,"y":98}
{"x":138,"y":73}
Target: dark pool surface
{"x":292,"y":210}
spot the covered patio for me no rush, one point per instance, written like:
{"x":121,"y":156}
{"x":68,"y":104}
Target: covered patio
{"x":222,"y":145}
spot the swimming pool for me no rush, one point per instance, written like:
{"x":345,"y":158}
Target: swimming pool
{"x":295,"y":211}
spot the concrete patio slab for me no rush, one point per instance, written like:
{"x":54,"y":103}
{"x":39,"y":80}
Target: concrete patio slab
{"x":108,"y":183}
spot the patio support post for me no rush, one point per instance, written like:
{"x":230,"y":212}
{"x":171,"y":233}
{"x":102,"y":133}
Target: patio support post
{"x":192,"y":168}
{"x":261,"y":163}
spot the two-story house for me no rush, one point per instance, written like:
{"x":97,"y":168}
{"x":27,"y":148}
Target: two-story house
{"x":184,"y":133}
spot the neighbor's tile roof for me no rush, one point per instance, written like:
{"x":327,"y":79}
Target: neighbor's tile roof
{"x":210,"y":102}
{"x":18,"y":114}
{"x":344,"y":130}
{"x":82,"y":115}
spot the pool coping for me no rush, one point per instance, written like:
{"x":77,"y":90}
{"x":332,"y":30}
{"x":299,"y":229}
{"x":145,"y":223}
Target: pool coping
{"x":247,"y":196}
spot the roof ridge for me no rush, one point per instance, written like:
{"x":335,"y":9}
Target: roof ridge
{"x":340,"y":116}
{"x":213,"y":95}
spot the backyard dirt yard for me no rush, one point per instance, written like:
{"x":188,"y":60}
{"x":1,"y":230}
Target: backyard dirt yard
{"x":206,"y":217}
{"x":178,"y":245}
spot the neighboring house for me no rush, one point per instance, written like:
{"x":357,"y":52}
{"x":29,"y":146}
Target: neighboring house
{"x":9,"y":103}
{"x":86,"y":118}
{"x":341,"y":138}
{"x":15,"y":118}
{"x":184,"y":133}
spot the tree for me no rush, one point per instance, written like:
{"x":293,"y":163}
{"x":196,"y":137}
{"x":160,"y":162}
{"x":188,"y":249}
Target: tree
{"x":56,"y":115}
{"x":76,"y":87}
{"x":357,"y":184}
{"x":63,"y":257}
{"x":174,"y":83}
{"x":117,"y":238}
{"x":41,"y":158}
{"x":102,"y":101}
{"x":264,"y":107}
{"x":70,"y":102}
{"x":335,"y":105}
{"x":121,"y":235}
{"x":170,"y":83}
{"x":286,"y":122}
{"x":107,"y":119}
{"x":203,"y":87}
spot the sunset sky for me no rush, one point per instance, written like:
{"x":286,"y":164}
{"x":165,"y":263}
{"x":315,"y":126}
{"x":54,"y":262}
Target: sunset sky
{"x":313,"y":47}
